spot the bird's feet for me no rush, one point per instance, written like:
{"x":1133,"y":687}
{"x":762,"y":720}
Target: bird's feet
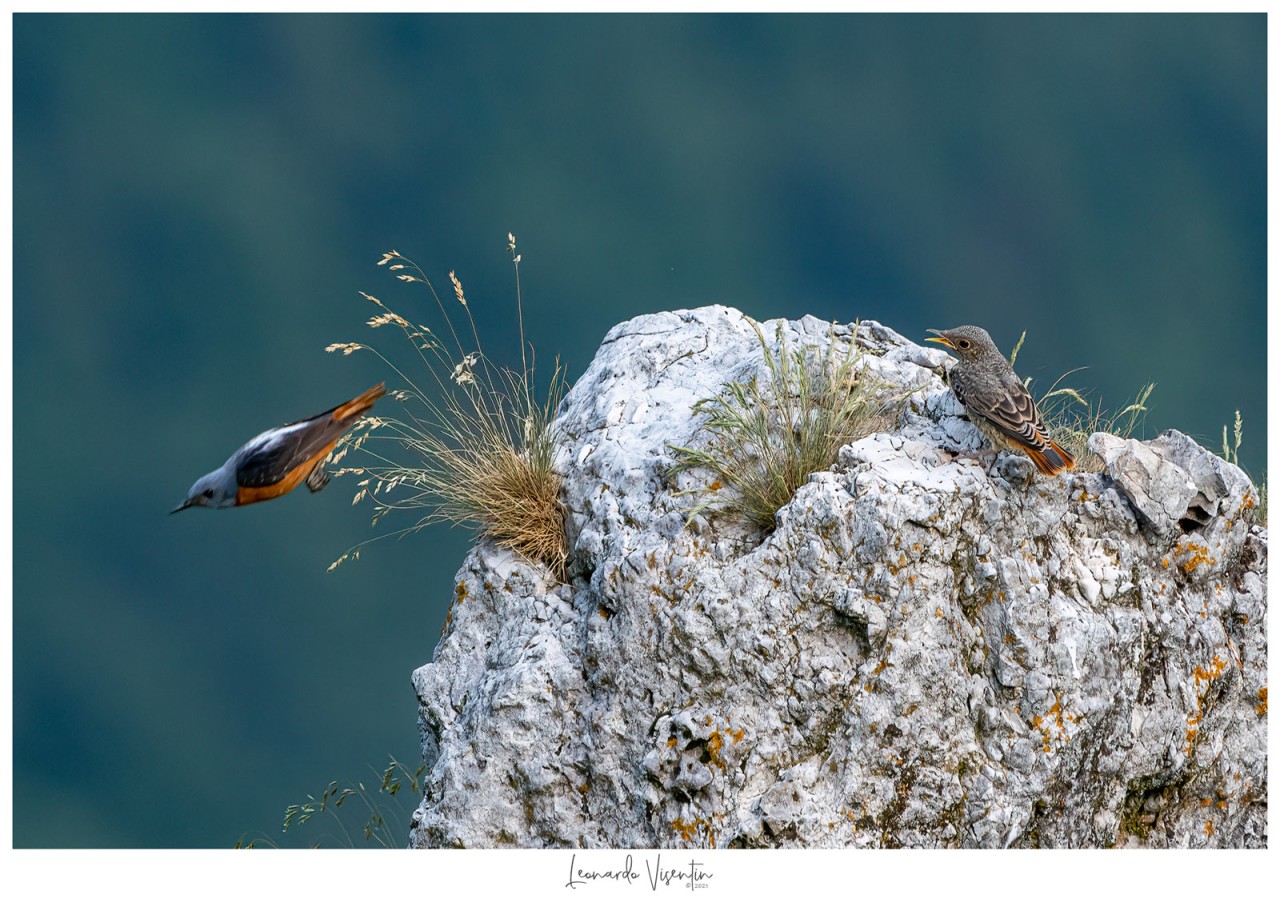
{"x":1017,"y":469}
{"x":318,"y":479}
{"x":1013,"y":467}
{"x":983,"y":457}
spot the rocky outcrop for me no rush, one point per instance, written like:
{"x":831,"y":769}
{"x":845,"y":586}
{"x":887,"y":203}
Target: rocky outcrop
{"x":925,"y":651}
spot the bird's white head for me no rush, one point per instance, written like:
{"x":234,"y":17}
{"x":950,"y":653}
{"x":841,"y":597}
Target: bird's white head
{"x":216,"y":490}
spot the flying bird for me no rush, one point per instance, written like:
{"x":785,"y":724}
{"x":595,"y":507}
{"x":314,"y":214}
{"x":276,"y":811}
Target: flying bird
{"x":997,"y":401}
{"x":276,"y":461}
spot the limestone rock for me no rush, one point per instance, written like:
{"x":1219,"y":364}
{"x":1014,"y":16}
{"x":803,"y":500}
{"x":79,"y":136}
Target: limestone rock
{"x":922,"y":652}
{"x":1160,"y":490}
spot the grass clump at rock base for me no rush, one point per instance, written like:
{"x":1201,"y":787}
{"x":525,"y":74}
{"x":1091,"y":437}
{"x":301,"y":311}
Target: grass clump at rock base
{"x":768,"y":434}
{"x":367,"y":814}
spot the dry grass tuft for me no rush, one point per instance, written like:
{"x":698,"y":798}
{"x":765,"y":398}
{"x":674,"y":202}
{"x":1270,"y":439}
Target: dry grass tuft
{"x":481,"y":441}
{"x":1231,"y":452}
{"x":379,"y":815}
{"x":1071,"y":418}
{"x":767,"y":435}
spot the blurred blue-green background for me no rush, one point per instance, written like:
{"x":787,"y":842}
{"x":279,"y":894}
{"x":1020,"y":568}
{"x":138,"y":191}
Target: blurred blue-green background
{"x":197,"y":200}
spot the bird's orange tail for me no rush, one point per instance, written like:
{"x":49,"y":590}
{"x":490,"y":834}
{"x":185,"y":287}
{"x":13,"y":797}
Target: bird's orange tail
{"x":1052,"y":459}
{"x":360,"y":405}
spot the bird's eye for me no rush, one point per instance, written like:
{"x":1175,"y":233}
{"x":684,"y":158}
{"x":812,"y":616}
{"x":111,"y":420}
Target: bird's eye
{"x":962,"y":343}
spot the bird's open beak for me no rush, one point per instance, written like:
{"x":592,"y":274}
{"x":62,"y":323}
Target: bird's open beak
{"x":185,"y":505}
{"x":941,"y":338}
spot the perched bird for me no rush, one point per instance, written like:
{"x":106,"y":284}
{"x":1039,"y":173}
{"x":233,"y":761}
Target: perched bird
{"x":997,"y":401}
{"x":276,"y":461}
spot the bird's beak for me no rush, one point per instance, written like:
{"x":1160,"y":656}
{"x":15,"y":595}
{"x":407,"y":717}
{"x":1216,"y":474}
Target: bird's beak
{"x":185,"y":505}
{"x":941,"y":338}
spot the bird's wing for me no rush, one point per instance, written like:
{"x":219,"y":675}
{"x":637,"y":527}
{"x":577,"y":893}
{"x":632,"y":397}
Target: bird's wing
{"x":350,"y":410}
{"x":1010,"y":409}
{"x":269,"y":459}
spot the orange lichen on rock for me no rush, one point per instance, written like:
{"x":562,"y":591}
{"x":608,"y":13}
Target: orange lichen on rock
{"x":715,"y":743}
{"x":1196,"y":555}
{"x":1058,"y":718}
{"x":689,"y":830}
{"x":1214,"y":671}
{"x":1193,"y":728}
{"x":1202,"y":675}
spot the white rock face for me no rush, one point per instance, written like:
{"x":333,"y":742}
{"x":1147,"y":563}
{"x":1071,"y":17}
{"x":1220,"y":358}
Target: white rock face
{"x":921,"y":653}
